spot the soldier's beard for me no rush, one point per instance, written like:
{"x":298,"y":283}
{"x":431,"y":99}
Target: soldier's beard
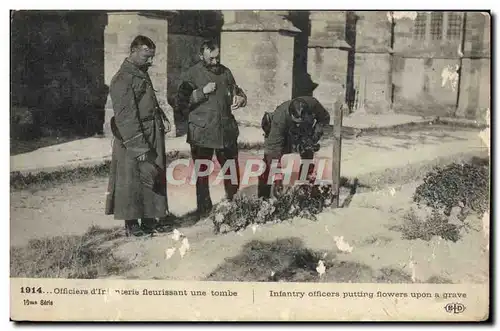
{"x":145,"y":67}
{"x":215,"y":68}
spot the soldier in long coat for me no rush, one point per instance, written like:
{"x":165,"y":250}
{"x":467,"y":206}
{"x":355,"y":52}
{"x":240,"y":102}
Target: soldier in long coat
{"x":294,"y":127}
{"x":137,"y":184}
{"x":212,"y":94}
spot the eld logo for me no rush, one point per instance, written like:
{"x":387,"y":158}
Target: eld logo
{"x":455,"y":308}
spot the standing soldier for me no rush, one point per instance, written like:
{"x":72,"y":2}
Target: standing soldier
{"x":137,"y":185}
{"x":210,"y":93}
{"x":294,"y":127}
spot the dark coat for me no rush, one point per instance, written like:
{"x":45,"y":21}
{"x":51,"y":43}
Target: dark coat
{"x":211,"y":123}
{"x":279,"y":141}
{"x":138,"y":119}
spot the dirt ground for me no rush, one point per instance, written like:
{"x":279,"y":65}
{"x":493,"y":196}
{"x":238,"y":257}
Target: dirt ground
{"x":369,"y":250}
{"x":379,"y":254}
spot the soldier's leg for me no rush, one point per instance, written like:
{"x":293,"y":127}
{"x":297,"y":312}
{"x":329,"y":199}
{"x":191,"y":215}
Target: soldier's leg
{"x":306,"y":156}
{"x":203,"y":201}
{"x":232,"y":183}
{"x":264,"y":188}
{"x":148,"y":225}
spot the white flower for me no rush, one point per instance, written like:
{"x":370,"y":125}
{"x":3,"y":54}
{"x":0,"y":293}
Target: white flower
{"x":412,"y":267}
{"x":224,"y":228}
{"x":224,"y":203}
{"x":321,"y":267}
{"x":176,"y":235}
{"x":169,"y":252}
{"x":342,"y":245}
{"x":254,"y":228}
{"x":219,"y":218}
{"x":184,"y":247}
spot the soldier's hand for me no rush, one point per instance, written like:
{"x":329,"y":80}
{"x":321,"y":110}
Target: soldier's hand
{"x":149,"y":156}
{"x":237,"y":102}
{"x":209,"y":88}
{"x":278,"y":189}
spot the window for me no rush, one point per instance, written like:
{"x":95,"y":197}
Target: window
{"x":454,"y":26}
{"x":419,"y":28}
{"x":437,"y":25}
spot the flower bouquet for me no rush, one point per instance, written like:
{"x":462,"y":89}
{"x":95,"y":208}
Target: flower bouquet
{"x":305,"y":200}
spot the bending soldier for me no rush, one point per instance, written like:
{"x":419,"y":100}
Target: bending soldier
{"x":296,"y":126}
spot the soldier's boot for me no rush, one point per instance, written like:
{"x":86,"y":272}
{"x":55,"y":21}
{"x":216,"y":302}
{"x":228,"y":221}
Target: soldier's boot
{"x":204,"y":210}
{"x":166,"y":224}
{"x":132,"y":228}
{"x":148,"y":225}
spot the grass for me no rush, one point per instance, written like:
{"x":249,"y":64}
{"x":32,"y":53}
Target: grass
{"x":86,"y":256}
{"x":41,"y":180}
{"x":437,"y":124}
{"x":283,"y":260}
{"x":435,"y":225}
{"x":18,"y":146}
{"x":287,"y":260}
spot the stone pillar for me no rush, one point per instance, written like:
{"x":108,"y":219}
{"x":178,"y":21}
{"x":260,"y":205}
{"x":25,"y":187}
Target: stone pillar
{"x":186,"y":32}
{"x":373,"y":61}
{"x":257,"y":46}
{"x":122,"y":28}
{"x":328,"y":57}
{"x":475,"y":91}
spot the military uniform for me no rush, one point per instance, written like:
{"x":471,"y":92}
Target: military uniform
{"x":141,"y":129}
{"x":285,"y":137}
{"x":211,"y":125}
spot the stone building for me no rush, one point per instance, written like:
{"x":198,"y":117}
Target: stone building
{"x":413,"y":62}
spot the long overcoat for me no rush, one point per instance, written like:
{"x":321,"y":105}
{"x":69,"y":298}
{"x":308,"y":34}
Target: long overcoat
{"x":139,"y":121}
{"x":279,"y":141}
{"x":211,"y":122}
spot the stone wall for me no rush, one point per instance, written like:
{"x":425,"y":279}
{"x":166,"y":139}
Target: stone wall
{"x":57,"y":70}
{"x":411,"y":62}
{"x":435,"y":74}
{"x":63,"y":61}
{"x":122,"y":28}
{"x":328,"y":68}
{"x":258,"y":49}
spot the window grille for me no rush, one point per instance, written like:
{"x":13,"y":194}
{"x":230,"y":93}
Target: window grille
{"x":454,"y":26}
{"x":437,"y":25}
{"x":419,"y":27}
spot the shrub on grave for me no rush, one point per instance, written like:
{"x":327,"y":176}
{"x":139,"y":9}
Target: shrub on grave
{"x":304,"y":200}
{"x":460,"y":187}
{"x":456,"y":185}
